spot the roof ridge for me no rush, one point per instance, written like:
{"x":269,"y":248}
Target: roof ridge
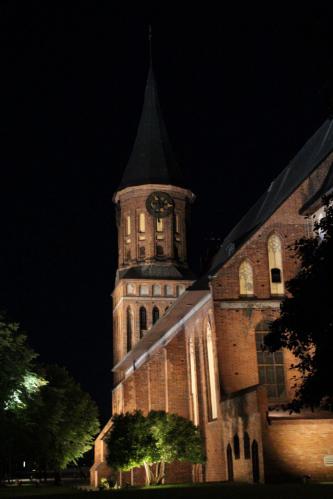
{"x":310,"y":156}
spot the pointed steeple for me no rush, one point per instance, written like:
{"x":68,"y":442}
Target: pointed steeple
{"x":152,"y":160}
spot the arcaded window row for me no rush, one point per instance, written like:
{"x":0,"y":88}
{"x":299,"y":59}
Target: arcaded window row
{"x":156,"y":290}
{"x":159,"y":224}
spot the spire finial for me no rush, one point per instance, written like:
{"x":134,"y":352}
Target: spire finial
{"x":149,"y":38}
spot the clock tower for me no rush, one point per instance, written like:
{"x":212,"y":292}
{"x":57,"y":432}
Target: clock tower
{"x":152,"y":205}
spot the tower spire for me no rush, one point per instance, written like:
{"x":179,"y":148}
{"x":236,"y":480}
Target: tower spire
{"x":150,"y":44}
{"x":152,"y":160}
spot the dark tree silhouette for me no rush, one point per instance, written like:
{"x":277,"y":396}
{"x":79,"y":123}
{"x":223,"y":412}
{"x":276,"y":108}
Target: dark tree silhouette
{"x":305,"y":325}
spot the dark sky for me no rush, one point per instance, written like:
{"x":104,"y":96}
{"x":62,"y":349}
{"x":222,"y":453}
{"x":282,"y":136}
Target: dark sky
{"x":241,"y":92}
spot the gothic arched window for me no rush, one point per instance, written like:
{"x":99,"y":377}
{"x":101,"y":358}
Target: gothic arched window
{"x":159,"y":224}
{"x":211,"y":382}
{"x":230,"y":465}
{"x":270,"y":367}
{"x":143,"y":320}
{"x":247,"y":446}
{"x":177,"y":223}
{"x":236,"y":446}
{"x":128,"y":225}
{"x":275,"y":265}
{"x":194,"y":380}
{"x":142,"y":222}
{"x":156,"y":314}
{"x":246,"y":278}
{"x":129,"y":328}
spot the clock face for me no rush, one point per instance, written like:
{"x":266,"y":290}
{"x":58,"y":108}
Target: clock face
{"x":159,"y":204}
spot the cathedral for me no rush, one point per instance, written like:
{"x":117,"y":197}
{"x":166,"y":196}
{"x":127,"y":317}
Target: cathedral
{"x":195,"y":347}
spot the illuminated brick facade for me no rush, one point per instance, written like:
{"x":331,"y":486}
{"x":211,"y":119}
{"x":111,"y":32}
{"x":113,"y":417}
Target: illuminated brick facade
{"x":203,"y":359}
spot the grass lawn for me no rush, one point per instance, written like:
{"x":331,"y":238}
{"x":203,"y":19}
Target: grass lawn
{"x":209,"y":491}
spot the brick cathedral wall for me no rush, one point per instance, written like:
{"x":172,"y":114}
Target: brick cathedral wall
{"x":294,"y":448}
{"x":156,"y":369}
{"x":214,"y":468}
{"x":236,"y":326}
{"x":289,"y":224}
{"x":177,"y":381}
{"x":240,"y":414}
{"x":129,"y":394}
{"x":142,"y":389}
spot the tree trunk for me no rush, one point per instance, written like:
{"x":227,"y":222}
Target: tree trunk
{"x":148,"y":473}
{"x":160,"y":467}
{"x":162,"y":472}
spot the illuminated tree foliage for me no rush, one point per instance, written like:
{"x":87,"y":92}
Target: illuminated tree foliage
{"x":19,"y":384}
{"x":46,"y":418}
{"x":135,"y":440}
{"x":62,"y":421}
{"x":306,"y":323}
{"x":18,"y":381}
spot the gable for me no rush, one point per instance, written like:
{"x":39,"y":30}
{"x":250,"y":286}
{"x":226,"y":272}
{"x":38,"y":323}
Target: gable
{"x":313,"y":153}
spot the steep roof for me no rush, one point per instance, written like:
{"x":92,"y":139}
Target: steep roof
{"x":152,"y":160}
{"x":312,"y":154}
{"x":155,"y":271}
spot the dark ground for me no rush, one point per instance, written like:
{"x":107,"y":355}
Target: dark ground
{"x":217,"y":491}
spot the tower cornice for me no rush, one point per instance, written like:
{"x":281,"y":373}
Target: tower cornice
{"x":147,"y":188}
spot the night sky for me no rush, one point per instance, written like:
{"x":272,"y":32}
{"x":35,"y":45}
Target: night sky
{"x":241,"y":92}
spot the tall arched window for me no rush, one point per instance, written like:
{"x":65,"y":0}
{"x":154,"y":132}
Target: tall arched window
{"x":211,"y":382}
{"x":142,"y":222}
{"x":255,"y":462}
{"x":128,"y":225}
{"x":194,"y":381}
{"x":247,"y":446}
{"x":270,"y":367}
{"x":246,"y":278}
{"x":129,"y":328}
{"x":177,"y":223}
{"x":143,"y":320}
{"x":275,"y":265}
{"x":236,"y":446}
{"x":156,"y":314}
{"x":230,"y":466}
{"x":159,"y":224}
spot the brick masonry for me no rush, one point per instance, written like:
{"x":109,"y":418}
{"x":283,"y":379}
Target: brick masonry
{"x":287,"y":447}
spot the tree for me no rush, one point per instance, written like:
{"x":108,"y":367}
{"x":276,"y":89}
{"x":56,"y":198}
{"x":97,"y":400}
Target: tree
{"x":45,"y":416}
{"x":18,"y":380}
{"x":176,"y":439}
{"x":135,"y":440}
{"x":61,"y":423}
{"x":305,"y":325}
{"x":19,"y":383}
